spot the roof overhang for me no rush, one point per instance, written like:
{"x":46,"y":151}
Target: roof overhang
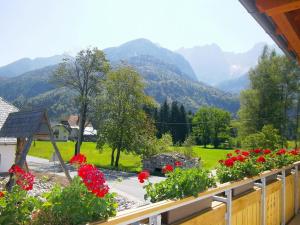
{"x":281,"y":20}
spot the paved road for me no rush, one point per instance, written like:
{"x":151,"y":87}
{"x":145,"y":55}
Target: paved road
{"x":125,"y":184}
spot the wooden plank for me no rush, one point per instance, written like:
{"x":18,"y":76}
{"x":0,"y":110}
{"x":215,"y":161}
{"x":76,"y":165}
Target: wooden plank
{"x":277,"y":6}
{"x":290,"y":198}
{"x":273,"y":203}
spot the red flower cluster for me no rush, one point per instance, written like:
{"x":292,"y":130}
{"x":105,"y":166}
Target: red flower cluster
{"x":1,"y":194}
{"x":144,"y":175}
{"x":78,"y":159}
{"x":244,"y":153}
{"x":267,"y":151}
{"x":178,"y":163}
{"x":229,"y":162}
{"x":294,"y":152}
{"x":261,"y":159}
{"x":281,"y":152}
{"x":93,"y":179}
{"x":167,"y":168}
{"x":257,"y":151}
{"x":237,"y":151}
{"x":23,"y":179}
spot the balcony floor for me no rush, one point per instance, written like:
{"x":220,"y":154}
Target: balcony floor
{"x":295,"y":221}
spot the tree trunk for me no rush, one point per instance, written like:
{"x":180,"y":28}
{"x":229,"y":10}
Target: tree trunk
{"x":112,"y":161}
{"x":82,"y":120}
{"x":117,"y":158}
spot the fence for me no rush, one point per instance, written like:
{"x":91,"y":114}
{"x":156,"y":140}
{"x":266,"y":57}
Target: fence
{"x":269,"y":203}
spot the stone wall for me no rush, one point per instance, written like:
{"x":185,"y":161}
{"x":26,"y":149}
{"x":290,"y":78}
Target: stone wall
{"x":157,"y":162}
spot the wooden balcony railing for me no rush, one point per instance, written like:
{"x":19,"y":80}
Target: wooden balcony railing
{"x":267,"y":204}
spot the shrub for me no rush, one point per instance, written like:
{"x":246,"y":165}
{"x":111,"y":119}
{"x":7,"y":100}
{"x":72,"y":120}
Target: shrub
{"x":75,"y":204}
{"x":16,"y":206}
{"x":187,"y":148}
{"x":156,"y":146}
{"x":268,"y":138}
{"x":179,"y":183}
{"x":86,"y":199}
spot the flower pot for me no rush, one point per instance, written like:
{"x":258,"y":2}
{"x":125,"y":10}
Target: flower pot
{"x":243,"y":189}
{"x":186,"y":211}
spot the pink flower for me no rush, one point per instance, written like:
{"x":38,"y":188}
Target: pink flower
{"x":144,"y":175}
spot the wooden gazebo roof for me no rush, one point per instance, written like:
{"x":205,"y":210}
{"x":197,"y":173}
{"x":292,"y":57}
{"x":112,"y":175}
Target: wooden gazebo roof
{"x":281,"y":20}
{"x":25,"y":124}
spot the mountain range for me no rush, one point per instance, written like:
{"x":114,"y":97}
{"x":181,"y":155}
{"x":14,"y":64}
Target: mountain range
{"x":167,"y":74}
{"x":214,"y":66}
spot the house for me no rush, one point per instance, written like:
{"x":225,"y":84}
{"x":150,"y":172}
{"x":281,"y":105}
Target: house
{"x":72,"y":123}
{"x":7,"y":145}
{"x":60,"y":132}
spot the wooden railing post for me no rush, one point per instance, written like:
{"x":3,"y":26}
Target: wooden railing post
{"x":155,"y":220}
{"x":296,"y":190}
{"x":263,"y":208}
{"x":283,"y":190}
{"x":228,"y":194}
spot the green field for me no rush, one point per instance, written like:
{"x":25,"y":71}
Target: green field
{"x":128,"y":162}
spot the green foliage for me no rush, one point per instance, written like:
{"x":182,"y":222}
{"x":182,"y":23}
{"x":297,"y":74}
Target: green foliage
{"x":74,"y":205}
{"x":211,"y":126}
{"x":272,"y":97}
{"x":122,"y":122}
{"x":16,"y":207}
{"x":155,"y":146}
{"x":188,"y":150}
{"x":239,"y":171}
{"x":179,"y":184}
{"x":268,"y":138}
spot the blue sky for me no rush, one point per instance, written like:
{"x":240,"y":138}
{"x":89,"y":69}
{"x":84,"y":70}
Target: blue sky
{"x":34,"y":28}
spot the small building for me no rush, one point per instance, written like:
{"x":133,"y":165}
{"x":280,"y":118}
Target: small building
{"x":72,"y":124}
{"x":7,"y":145}
{"x":60,"y":132}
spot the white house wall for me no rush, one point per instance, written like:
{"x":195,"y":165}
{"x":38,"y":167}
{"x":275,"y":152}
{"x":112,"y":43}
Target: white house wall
{"x":7,"y":156}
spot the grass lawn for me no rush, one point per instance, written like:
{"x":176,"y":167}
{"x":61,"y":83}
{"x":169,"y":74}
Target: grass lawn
{"x":128,"y":162}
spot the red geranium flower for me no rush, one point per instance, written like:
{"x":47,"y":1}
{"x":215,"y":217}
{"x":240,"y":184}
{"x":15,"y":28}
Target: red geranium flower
{"x":229,"y":155}
{"x":1,"y":194}
{"x":237,"y":151}
{"x":234,"y":158}
{"x":257,"y":151}
{"x":178,"y":163}
{"x":281,"y":152}
{"x":267,"y":151}
{"x":167,"y":168}
{"x":229,"y":162}
{"x":93,"y":179}
{"x":23,"y":179}
{"x":294,"y":152}
{"x":241,"y":158}
{"x":78,"y":159}
{"x":144,"y":175}
{"x":245,"y":153}
{"x":261,"y":159}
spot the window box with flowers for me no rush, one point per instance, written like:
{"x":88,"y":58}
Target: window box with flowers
{"x":180,"y":183}
{"x":244,"y":164}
